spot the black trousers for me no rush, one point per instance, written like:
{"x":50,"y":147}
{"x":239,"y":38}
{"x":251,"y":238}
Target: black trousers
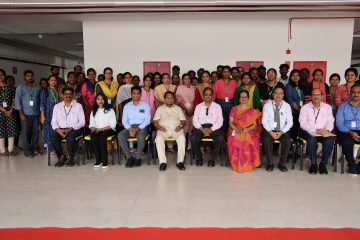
{"x":99,"y":143}
{"x":217,"y":136}
{"x":295,"y":129}
{"x":347,"y":144}
{"x":70,"y":142}
{"x":268,"y":141}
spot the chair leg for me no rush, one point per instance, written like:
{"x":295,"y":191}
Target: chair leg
{"x":334,"y":159}
{"x":222,"y":160}
{"x":192,"y":155}
{"x":88,"y":149}
{"x":48,"y":155}
{"x":118,"y":151}
{"x":152,"y":149}
{"x":293,"y":156}
{"x":301,"y":156}
{"x":227,"y":160}
{"x":78,"y":153}
{"x":261,"y":155}
{"x":148,"y":151}
{"x":83,"y":152}
{"x":342,"y":162}
{"x":155,"y":153}
{"x":112,"y":152}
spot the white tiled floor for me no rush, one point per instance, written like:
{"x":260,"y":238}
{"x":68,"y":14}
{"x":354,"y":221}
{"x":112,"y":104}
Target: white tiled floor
{"x":35,"y":195}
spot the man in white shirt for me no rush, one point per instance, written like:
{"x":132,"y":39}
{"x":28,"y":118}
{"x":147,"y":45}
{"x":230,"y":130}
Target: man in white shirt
{"x":277,"y":121}
{"x":170,"y":120}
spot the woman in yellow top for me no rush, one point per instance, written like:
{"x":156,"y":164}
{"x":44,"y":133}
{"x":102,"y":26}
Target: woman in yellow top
{"x":162,"y":89}
{"x":254,"y":94}
{"x":108,"y":87}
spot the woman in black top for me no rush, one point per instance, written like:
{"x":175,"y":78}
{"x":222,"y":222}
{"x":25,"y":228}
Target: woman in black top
{"x":268,"y":87}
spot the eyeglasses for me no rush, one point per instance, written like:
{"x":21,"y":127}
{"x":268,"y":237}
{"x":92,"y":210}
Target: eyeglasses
{"x":207,"y":111}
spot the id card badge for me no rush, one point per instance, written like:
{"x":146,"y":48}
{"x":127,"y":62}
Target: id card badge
{"x":226,"y":99}
{"x":353,"y":124}
{"x":274,"y":124}
{"x":31,"y":103}
{"x":109,"y":101}
{"x":233,"y":133}
{"x":301,"y":103}
{"x":4,"y":104}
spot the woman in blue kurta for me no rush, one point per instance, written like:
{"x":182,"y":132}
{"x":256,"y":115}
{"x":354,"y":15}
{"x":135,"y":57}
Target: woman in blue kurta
{"x":48,"y":98}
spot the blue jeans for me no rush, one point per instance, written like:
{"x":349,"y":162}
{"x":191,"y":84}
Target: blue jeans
{"x":30,"y":129}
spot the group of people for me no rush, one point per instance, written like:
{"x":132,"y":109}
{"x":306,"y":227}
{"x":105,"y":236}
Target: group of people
{"x":233,"y":108}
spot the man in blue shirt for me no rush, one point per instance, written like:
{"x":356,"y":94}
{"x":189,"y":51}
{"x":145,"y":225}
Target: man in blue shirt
{"x":135,"y":119}
{"x":27,"y":101}
{"x":348,"y":124}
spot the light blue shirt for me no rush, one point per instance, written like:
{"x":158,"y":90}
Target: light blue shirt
{"x":27,"y":99}
{"x":346,"y":114}
{"x":139,"y":115}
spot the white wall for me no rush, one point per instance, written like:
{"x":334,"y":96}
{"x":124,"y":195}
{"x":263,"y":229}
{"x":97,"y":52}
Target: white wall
{"x":40,"y":71}
{"x":194,"y":40}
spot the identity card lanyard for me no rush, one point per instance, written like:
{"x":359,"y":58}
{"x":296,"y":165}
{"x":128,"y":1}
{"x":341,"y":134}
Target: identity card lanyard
{"x":67,"y":114}
{"x":353,"y":122}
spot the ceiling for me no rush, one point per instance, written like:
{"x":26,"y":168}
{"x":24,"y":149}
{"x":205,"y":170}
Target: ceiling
{"x":63,"y":32}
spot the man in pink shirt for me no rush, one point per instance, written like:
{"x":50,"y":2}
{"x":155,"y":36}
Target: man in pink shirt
{"x":67,"y":122}
{"x":207,"y":121}
{"x":316,"y":122}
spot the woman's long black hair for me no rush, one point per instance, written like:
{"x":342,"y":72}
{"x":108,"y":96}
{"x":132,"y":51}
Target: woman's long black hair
{"x":107,"y":106}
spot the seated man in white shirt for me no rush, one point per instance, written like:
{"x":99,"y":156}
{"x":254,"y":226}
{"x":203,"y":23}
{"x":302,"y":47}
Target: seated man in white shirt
{"x":316,"y":118}
{"x":207,"y":122}
{"x":277,"y":121}
{"x":170,"y":120}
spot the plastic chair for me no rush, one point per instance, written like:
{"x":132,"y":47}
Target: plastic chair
{"x":148,"y":140}
{"x":342,"y":160}
{"x":78,"y":139}
{"x":207,"y":139}
{"x":166,"y":140}
{"x":302,"y":142}
{"x":278,"y":142}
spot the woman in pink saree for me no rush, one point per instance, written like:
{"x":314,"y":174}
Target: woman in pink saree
{"x":244,"y":136}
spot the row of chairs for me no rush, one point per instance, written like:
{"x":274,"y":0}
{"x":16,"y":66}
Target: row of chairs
{"x":84,"y":145}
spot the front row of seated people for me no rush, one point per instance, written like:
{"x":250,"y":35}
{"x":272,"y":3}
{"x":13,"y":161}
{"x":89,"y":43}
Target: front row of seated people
{"x":246,"y":127}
